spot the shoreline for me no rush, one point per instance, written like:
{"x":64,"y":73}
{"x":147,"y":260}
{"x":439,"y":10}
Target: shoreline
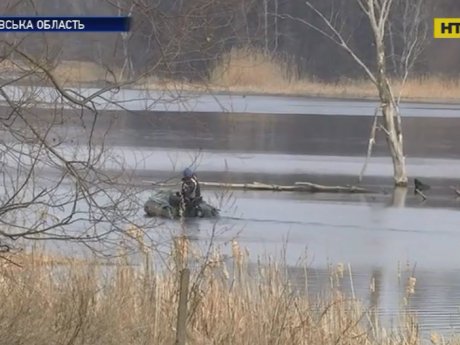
{"x":201,"y":89}
{"x":242,"y":92}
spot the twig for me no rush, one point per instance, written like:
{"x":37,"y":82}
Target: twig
{"x":419,"y":192}
{"x":10,"y":261}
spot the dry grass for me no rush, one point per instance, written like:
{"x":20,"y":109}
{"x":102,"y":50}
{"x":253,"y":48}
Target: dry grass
{"x":252,"y":70}
{"x":249,"y":71}
{"x":67,"y":73}
{"x":93,"y":304}
{"x":76,"y":72}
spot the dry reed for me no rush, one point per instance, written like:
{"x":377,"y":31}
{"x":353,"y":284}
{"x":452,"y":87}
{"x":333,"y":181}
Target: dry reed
{"x":57,"y":302}
{"x":250,"y":71}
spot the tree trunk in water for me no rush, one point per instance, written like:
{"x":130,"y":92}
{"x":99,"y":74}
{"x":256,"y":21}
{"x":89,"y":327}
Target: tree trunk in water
{"x":393,"y":134}
{"x":391,"y":118}
{"x":394,"y":139}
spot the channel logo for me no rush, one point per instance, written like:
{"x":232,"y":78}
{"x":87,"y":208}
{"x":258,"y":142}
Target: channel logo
{"x":446,"y":28}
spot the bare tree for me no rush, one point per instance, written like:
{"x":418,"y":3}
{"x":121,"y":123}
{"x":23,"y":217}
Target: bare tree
{"x":54,"y":185}
{"x":128,"y":69}
{"x":266,"y":26}
{"x":407,"y":35}
{"x":58,"y":178}
{"x":378,"y":16}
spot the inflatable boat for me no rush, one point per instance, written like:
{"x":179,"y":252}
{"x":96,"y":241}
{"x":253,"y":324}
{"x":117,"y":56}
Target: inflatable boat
{"x":166,"y":204}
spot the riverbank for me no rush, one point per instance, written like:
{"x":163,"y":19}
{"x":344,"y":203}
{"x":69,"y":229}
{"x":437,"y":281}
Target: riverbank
{"x":230,"y":301}
{"x":251,"y":79}
{"x":248,"y":72}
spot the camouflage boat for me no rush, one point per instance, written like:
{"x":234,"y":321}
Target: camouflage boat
{"x":166,"y":204}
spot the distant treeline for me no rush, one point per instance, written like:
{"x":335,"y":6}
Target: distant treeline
{"x":184,"y":38}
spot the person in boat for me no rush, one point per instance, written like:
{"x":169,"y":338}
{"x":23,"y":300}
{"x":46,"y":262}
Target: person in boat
{"x":190,"y":192}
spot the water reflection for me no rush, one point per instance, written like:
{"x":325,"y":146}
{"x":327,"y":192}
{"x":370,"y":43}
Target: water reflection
{"x":293,"y":134}
{"x":384,"y":293}
{"x":270,"y":133}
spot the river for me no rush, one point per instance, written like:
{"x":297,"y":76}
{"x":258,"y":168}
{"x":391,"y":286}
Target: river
{"x":283,"y":140}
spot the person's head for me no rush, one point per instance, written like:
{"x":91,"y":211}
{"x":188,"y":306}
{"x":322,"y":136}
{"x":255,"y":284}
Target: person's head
{"x":188,"y":173}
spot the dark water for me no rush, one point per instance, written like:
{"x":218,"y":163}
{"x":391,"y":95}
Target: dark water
{"x":288,"y":134}
{"x":303,"y":133}
{"x":377,"y":235}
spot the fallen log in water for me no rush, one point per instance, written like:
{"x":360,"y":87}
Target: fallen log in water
{"x":297,"y":187}
{"x":251,"y":186}
{"x":314,"y":188}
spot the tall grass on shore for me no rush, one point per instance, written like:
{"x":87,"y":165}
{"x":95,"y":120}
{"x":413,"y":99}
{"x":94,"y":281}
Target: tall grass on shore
{"x":230,"y":302}
{"x":250,"y":71}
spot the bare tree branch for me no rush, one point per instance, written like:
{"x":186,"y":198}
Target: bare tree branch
{"x":339,"y":40}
